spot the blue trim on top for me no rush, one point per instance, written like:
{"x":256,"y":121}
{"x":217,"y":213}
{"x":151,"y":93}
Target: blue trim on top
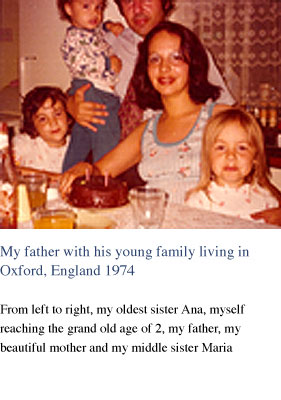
{"x":155,"y":124}
{"x":211,"y":109}
{"x":187,"y":135}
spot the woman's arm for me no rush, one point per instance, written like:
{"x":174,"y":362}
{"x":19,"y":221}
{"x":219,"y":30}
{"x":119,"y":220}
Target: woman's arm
{"x":123,"y":156}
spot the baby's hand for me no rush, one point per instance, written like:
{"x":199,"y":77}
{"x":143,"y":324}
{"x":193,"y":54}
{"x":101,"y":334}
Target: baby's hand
{"x":116,"y":64}
{"x":115,"y":27}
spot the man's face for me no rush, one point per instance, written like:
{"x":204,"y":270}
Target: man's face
{"x":142,"y":15}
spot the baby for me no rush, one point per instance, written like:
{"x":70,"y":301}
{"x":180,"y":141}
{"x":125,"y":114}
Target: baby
{"x":90,"y":60}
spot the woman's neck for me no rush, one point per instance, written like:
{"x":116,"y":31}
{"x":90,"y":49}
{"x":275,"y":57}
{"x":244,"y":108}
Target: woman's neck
{"x":178,"y":118}
{"x":179,"y":106}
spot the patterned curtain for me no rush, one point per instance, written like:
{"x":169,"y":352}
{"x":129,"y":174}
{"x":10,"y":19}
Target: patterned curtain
{"x":244,"y":37}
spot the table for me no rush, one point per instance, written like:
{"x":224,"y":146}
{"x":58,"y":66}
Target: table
{"x":183,"y":217}
{"x":177,"y":216}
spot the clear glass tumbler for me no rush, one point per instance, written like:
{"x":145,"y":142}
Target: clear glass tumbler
{"x":148,"y":205}
{"x":36,"y":185}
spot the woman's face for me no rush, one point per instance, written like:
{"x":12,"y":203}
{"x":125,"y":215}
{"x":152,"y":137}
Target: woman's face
{"x":167,"y":69}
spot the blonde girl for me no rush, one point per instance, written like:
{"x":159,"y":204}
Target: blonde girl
{"x":234,"y":174}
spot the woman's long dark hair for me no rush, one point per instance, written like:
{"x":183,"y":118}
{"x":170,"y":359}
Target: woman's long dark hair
{"x":200,"y":89}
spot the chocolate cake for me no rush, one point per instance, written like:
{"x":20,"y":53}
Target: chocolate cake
{"x":94,"y":193}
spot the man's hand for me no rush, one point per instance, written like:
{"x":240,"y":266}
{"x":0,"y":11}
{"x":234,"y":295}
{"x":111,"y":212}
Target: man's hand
{"x":270,"y":216}
{"x":85,"y":112}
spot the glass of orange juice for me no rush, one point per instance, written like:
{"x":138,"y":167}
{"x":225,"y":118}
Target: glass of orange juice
{"x":36,"y":185}
{"x":45,"y":218}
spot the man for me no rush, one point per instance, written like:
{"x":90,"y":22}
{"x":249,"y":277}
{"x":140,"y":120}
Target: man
{"x":141,"y":16}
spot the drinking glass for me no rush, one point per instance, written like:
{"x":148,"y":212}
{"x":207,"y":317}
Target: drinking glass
{"x":36,"y":185}
{"x":45,"y":218}
{"x":148,"y":205}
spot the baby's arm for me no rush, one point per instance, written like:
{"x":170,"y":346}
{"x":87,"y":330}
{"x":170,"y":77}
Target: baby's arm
{"x":116,"y":28}
{"x":115,"y":64}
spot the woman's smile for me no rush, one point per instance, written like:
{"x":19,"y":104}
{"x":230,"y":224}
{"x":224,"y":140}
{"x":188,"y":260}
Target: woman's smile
{"x":166,"y":80}
{"x":230,"y":168}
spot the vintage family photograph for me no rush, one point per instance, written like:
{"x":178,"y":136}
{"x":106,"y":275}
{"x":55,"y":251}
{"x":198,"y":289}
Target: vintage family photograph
{"x":140,"y":114}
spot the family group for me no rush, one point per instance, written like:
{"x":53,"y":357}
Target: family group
{"x":147,"y":104}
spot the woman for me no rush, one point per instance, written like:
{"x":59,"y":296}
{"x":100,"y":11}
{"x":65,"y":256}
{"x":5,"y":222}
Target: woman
{"x":170,"y":76}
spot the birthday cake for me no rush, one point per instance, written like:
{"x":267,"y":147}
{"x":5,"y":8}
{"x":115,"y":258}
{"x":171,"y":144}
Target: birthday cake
{"x":97,"y":191}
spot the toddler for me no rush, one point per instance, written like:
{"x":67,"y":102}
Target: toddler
{"x":46,"y":125}
{"x":90,"y":60}
{"x":234,"y":175}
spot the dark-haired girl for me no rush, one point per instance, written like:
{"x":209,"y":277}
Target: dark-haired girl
{"x":45,"y":135}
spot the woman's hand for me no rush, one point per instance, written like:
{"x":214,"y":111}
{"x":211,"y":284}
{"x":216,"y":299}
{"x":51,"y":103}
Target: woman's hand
{"x":68,"y":177}
{"x":85,"y":112}
{"x":270,"y":216}
{"x":123,"y":156}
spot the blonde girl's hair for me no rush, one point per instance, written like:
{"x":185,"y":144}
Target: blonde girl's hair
{"x":260,"y":171}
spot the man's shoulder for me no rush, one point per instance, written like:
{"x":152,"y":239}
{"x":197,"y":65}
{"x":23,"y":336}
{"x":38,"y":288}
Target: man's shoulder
{"x":220,"y":107}
{"x":128,"y":39}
